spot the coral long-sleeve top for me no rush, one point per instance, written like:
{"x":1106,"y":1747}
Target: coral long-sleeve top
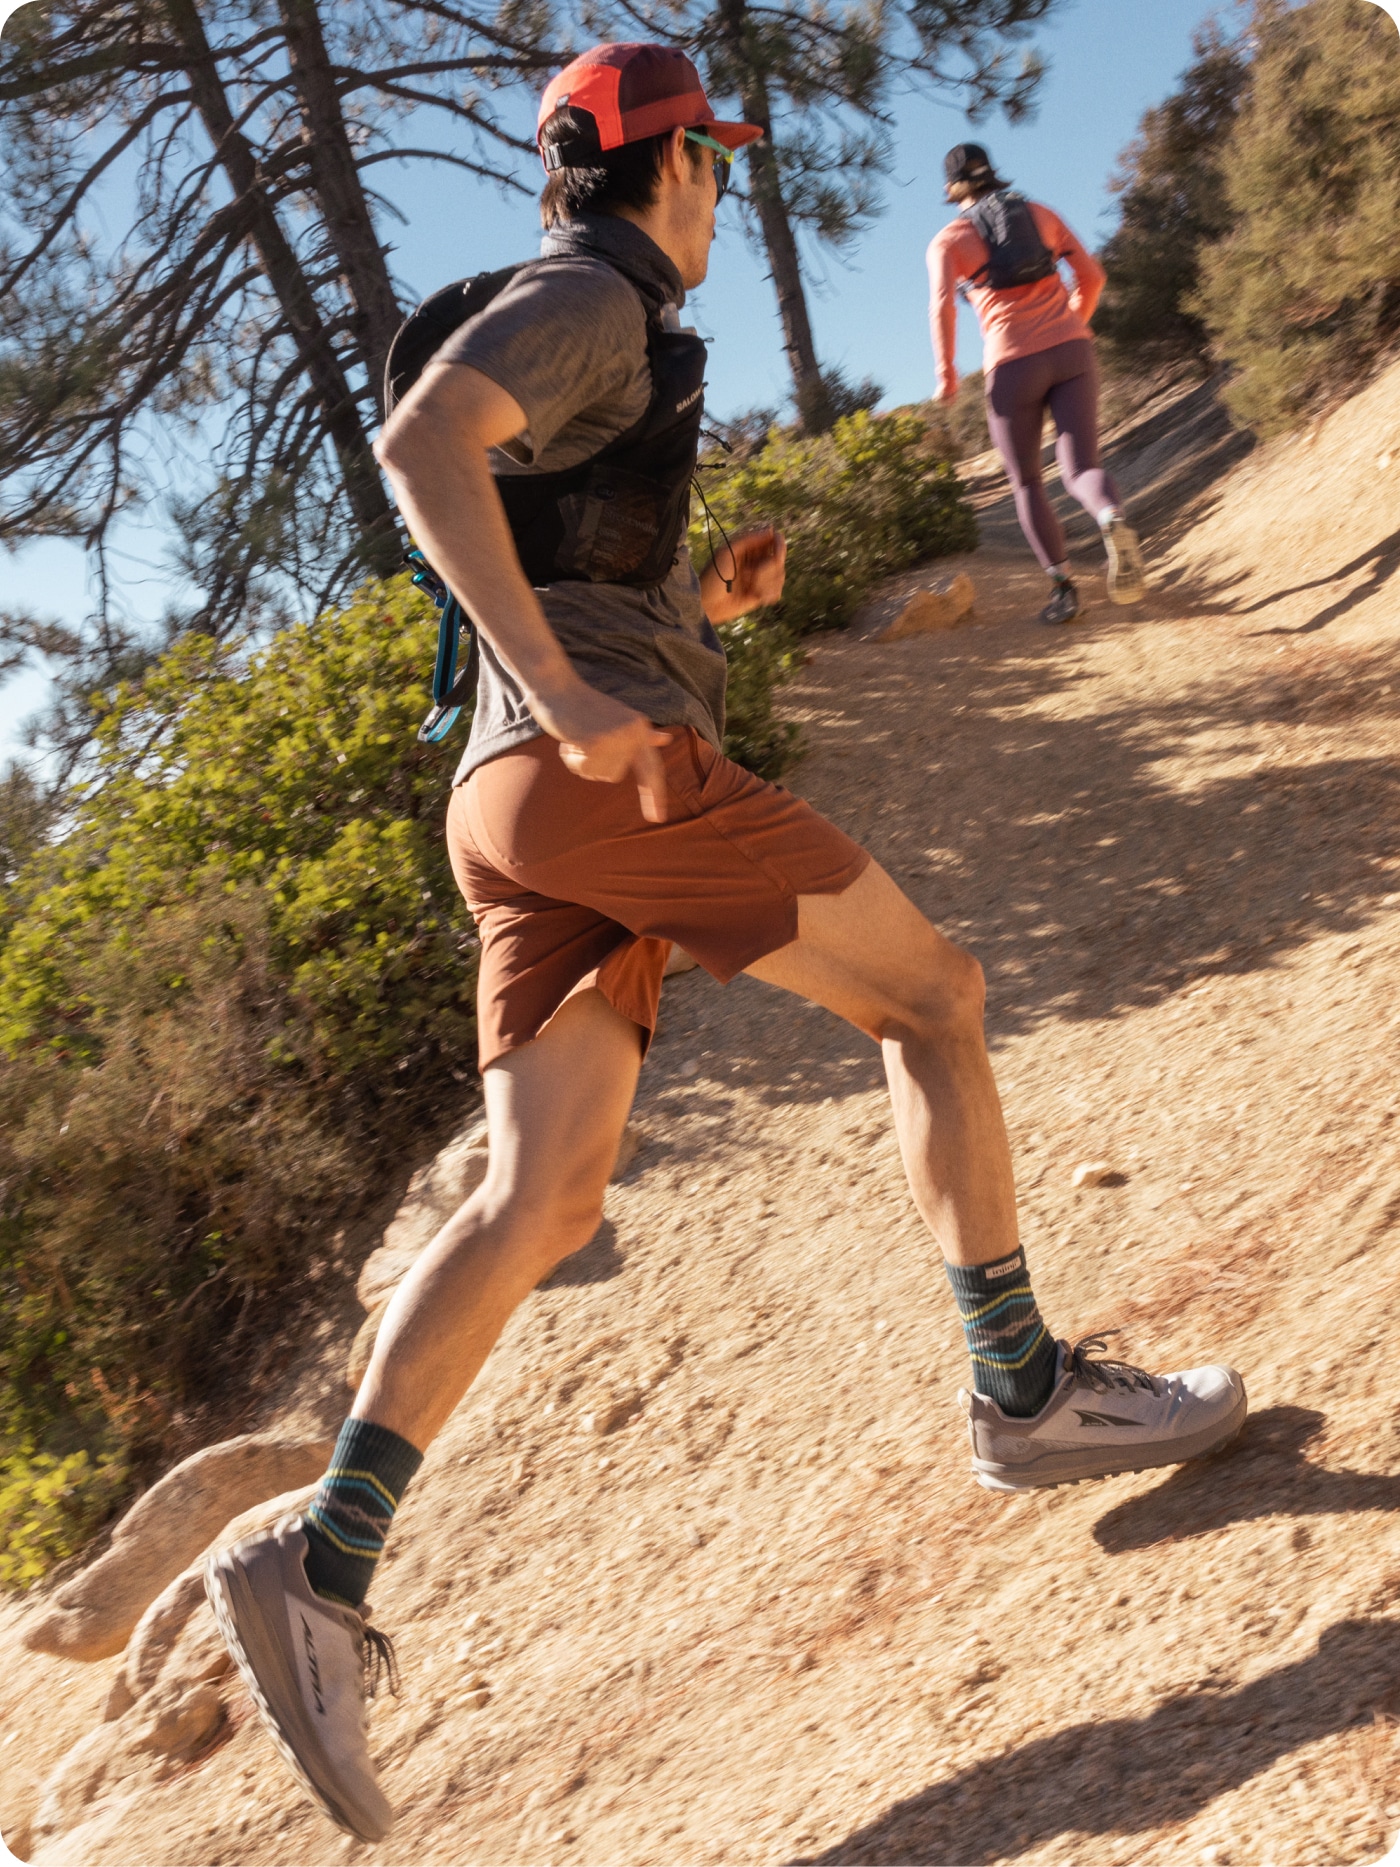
{"x":1017,"y":322}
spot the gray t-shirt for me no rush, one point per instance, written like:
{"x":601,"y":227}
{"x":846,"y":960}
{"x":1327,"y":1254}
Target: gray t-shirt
{"x":569,"y":343}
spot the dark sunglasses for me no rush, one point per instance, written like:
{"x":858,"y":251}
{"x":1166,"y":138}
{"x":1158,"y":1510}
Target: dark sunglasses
{"x":722,"y":168}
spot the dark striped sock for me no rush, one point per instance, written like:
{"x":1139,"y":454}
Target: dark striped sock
{"x":349,"y":1517}
{"x":1013,"y":1353}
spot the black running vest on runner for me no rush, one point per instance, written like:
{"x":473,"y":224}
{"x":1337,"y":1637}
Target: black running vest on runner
{"x":620,"y":515}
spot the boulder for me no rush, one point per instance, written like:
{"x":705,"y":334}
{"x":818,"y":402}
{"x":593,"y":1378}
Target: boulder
{"x":155,"y":1634}
{"x":95,"y":1614}
{"x":434,"y":1194}
{"x":169,"y":1728}
{"x":928,"y":611}
{"x":177,"y":1643}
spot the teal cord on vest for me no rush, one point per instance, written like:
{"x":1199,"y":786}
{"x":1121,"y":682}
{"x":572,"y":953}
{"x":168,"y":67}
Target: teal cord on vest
{"x":449,"y":691}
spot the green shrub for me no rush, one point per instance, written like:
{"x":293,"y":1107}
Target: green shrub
{"x":1303,"y":296}
{"x":48,"y":1508}
{"x":762,"y":656}
{"x":239,"y":987}
{"x":874,"y":495}
{"x":1172,"y":204}
{"x":966,"y":418}
{"x":297,"y":772}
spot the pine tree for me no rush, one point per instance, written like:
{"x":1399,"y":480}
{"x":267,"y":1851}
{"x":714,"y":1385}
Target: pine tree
{"x":1302,"y":297}
{"x":1172,"y":203}
{"x":217,"y":364}
{"x":819,"y":82}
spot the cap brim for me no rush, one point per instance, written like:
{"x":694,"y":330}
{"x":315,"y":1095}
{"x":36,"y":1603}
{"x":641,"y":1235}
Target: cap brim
{"x":732,"y":135}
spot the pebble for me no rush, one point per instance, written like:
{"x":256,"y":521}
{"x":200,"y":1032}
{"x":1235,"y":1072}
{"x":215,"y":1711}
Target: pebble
{"x":1096,"y":1173}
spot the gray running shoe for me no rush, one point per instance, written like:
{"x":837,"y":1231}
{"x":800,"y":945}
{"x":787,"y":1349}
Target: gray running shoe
{"x":309,"y":1665}
{"x":1104,"y":1417}
{"x":1127,"y":580}
{"x":1063,"y":605}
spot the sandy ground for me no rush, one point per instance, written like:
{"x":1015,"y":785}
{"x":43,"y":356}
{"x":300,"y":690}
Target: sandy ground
{"x":706,"y":1527}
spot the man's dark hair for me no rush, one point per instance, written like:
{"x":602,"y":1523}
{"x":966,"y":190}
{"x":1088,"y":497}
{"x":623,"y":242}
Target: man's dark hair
{"x":614,"y":179}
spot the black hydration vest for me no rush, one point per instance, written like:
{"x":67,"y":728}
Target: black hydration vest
{"x":617,"y":517}
{"x":1016,"y":253}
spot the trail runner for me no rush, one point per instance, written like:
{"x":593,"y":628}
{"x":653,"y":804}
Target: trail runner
{"x":1038,"y":354}
{"x":593,"y":822}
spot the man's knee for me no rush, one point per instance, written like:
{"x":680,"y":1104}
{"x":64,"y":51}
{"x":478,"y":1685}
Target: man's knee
{"x":949,"y":997}
{"x":539,"y":1227}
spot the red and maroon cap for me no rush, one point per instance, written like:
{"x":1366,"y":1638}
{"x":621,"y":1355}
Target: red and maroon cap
{"x":632,"y":92}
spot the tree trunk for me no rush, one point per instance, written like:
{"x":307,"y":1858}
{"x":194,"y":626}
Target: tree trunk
{"x":339,"y":190}
{"x":364,"y":489}
{"x":809,"y":386}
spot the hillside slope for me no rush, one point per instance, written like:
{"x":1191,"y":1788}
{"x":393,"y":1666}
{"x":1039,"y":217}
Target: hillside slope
{"x":697,"y":1572}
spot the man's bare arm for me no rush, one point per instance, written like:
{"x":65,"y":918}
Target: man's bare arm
{"x":433,"y":449}
{"x":756,"y":565}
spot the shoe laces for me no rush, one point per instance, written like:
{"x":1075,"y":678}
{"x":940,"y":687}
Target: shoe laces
{"x":1085,"y":1363}
{"x":380,"y":1662}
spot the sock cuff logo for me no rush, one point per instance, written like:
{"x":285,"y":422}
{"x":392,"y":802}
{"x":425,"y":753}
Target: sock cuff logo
{"x":1017,"y":1263}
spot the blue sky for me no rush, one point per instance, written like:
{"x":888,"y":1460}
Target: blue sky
{"x":1109,"y":60}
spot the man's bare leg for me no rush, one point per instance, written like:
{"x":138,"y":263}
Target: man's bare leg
{"x":288,"y":1599}
{"x":555,"y":1110}
{"x":870,"y":956}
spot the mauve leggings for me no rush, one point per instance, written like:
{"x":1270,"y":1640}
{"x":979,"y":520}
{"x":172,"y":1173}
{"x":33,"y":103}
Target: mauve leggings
{"x":1066,"y":380}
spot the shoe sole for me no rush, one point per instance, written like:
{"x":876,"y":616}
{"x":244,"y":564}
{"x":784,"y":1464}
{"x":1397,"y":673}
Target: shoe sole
{"x":1127,"y":580}
{"x":224,"y":1583}
{"x":1072,"y":1468}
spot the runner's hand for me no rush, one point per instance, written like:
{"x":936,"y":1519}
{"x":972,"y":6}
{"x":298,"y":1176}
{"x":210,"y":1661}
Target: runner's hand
{"x":603,"y":740}
{"x":756,"y":572}
{"x":948,"y":386}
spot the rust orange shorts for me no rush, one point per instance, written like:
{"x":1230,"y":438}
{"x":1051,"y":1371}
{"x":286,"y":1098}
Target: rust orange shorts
{"x":571,"y":887}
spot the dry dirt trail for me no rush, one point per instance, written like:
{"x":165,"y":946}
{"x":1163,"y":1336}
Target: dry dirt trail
{"x":697,"y":1574}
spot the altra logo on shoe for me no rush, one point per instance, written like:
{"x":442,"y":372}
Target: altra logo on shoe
{"x":315,"y":1670}
{"x":1102,"y":1419}
{"x":1005,"y":1270}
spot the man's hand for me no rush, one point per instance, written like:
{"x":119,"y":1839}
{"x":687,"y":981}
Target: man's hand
{"x":604,"y":740}
{"x":755,"y":570}
{"x":948,"y":386}
{"x":434,"y":450}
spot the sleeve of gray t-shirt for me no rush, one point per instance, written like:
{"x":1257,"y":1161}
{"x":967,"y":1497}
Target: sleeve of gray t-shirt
{"x":566,"y":341}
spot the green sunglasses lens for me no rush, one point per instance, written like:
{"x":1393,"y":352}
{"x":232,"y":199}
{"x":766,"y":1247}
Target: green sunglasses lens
{"x":724,"y":159}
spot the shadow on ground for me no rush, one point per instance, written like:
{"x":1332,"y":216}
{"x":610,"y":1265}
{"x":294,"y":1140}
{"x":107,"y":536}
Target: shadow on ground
{"x":597,"y":1263}
{"x":1065,"y":851}
{"x":1168,"y":460}
{"x":1380,"y":563}
{"x":1122,"y":1776}
{"x":1270,"y":1476}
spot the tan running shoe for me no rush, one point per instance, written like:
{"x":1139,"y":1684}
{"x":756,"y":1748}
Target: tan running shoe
{"x":309,"y":1665}
{"x":1127,"y":579}
{"x":1104,"y":1417}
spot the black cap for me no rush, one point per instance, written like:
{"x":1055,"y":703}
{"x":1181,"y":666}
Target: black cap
{"x":968,"y":162}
